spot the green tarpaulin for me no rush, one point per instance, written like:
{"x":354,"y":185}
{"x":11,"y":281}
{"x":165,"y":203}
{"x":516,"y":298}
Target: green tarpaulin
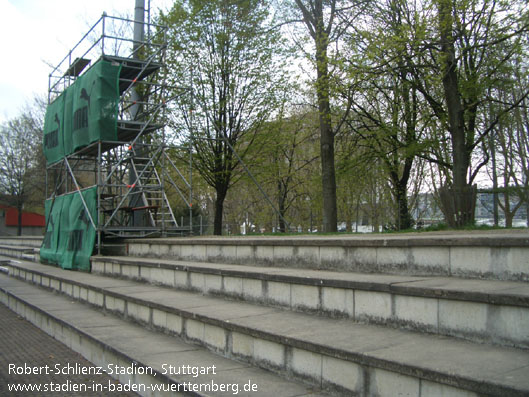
{"x":70,"y":235}
{"x":48,"y":250}
{"x":53,"y":144}
{"x":84,"y":113}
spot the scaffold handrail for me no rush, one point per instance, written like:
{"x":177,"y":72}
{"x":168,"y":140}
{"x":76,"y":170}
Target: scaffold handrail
{"x":99,"y":47}
{"x":68,"y":56}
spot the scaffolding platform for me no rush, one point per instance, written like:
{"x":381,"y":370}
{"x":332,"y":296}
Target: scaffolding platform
{"x":132,"y":70}
{"x":132,"y":170}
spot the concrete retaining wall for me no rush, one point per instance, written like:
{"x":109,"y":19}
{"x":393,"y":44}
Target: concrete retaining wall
{"x":500,"y":256}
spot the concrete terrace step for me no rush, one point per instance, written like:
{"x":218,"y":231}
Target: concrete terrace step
{"x":25,"y":241}
{"x":480,"y":310}
{"x":356,"y":359}
{"x":19,"y":251}
{"x":494,"y":255}
{"x":145,"y":361}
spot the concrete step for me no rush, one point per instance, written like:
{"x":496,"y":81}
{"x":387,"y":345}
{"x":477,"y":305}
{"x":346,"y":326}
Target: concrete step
{"x":338,"y":354}
{"x":20,"y":251}
{"x":144,"y":361}
{"x":29,"y":248}
{"x":25,"y":241}
{"x":500,"y":255}
{"x":490,"y":311}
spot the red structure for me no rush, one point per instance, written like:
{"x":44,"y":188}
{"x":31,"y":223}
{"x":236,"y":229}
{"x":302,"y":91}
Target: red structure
{"x":32,"y":223}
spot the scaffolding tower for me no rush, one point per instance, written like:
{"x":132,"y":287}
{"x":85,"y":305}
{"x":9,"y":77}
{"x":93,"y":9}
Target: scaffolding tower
{"x":127,"y":162}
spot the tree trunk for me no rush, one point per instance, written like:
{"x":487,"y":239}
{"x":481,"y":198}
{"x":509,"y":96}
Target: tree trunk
{"x":330,"y":217}
{"x":495,"y":212}
{"x":526,"y":191}
{"x":282,"y":226}
{"x":281,"y":206}
{"x":456,"y":121}
{"x":313,"y":17}
{"x":19,"y":226}
{"x":458,"y":205}
{"x":219,"y":210}
{"x":404,"y":220}
{"x":509,"y":214}
{"x":527,"y":208}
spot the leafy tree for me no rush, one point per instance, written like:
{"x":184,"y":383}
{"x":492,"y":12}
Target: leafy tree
{"x":387,"y":116}
{"x":230,"y":57}
{"x":451,"y":55}
{"x":284,"y":158}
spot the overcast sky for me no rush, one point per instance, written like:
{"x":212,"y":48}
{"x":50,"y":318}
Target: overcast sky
{"x":36,"y":33}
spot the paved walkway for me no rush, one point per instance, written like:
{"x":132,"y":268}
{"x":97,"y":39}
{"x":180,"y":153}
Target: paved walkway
{"x":22,"y":345}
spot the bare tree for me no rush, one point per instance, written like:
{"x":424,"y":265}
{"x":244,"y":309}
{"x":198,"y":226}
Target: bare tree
{"x":509,"y":150}
{"x":477,"y":42}
{"x":327,"y":22}
{"x":287,"y":156}
{"x":21,"y":160}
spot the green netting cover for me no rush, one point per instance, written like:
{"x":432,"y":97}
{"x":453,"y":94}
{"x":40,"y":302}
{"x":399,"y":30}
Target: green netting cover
{"x":95,"y":106}
{"x":70,"y":236}
{"x":84,"y":113}
{"x":48,"y":250}
{"x":68,"y":111}
{"x":53,"y":130}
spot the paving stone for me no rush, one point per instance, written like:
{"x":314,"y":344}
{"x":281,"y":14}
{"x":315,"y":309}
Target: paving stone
{"x":21,"y":343}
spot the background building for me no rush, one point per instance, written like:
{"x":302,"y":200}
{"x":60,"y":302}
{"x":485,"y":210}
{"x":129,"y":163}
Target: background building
{"x":32,"y":223}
